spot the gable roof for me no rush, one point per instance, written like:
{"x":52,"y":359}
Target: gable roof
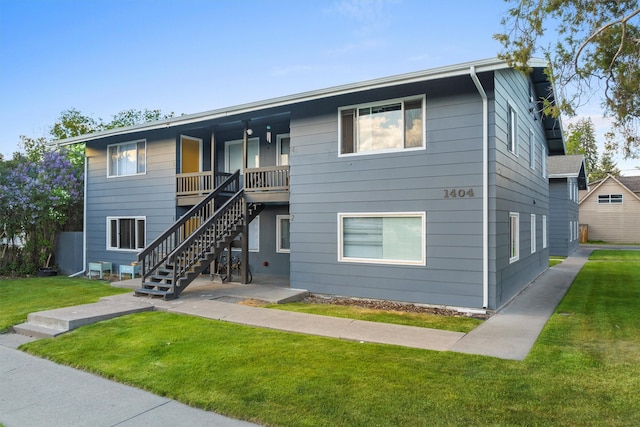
{"x":570,"y":166}
{"x":629,"y":183}
{"x":542,"y":86}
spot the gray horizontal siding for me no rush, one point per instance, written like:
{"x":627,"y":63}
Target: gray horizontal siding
{"x":515,"y":187}
{"x":324,"y":184}
{"x":151,"y":195}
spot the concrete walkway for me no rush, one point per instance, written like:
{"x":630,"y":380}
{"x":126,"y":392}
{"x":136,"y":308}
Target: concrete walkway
{"x":73,"y":397}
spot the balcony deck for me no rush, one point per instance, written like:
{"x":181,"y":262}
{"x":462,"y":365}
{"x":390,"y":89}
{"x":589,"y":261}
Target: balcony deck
{"x":262,"y":185}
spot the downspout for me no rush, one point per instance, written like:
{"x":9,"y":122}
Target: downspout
{"x":485,"y":188}
{"x":84,"y":221}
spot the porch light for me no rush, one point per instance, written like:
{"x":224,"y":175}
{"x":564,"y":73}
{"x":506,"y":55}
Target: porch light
{"x":249,"y":132}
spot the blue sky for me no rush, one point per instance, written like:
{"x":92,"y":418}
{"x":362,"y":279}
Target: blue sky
{"x":105,"y":56}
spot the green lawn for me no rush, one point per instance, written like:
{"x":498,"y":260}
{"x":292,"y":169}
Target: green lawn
{"x":583,"y":370}
{"x":19,"y":297}
{"x":614,"y":255}
{"x":555,"y":260}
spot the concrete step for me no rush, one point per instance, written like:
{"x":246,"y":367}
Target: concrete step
{"x":51,"y":323}
{"x":36,"y":331}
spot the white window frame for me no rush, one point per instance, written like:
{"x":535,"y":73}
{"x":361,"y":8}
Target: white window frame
{"x":422,"y":261}
{"x":543,"y":160}
{"x":512,"y":129}
{"x":533,"y":233}
{"x":227,"y":154}
{"x":110,"y":173}
{"x":254,"y":235}
{"x":279,"y":248}
{"x":608,"y":199}
{"x":279,"y":139}
{"x":544,"y":231}
{"x":514,"y":237}
{"x":532,"y":150}
{"x":138,"y":245}
{"x":571,"y":231}
{"x":402,"y":101}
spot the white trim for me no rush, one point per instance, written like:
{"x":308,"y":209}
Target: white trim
{"x":533,"y":233}
{"x":227,"y":159}
{"x":117,"y":218}
{"x":280,"y":249}
{"x":543,"y":160}
{"x":512,"y":124}
{"x":515,"y":257}
{"x":200,"y":154}
{"x":544,"y":232}
{"x":532,"y":150}
{"x":279,"y":139}
{"x":137,"y":141}
{"x":423,"y":256}
{"x":382,"y":102}
{"x":253,"y":232}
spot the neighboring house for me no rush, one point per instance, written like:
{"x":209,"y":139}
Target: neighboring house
{"x":611,"y":209}
{"x":428,"y":187}
{"x":567,"y":176}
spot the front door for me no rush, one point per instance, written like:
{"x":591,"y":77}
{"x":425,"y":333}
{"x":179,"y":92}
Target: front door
{"x":191,"y":154}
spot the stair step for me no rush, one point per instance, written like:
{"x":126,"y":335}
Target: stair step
{"x":152,"y":292}
{"x":157,"y":285}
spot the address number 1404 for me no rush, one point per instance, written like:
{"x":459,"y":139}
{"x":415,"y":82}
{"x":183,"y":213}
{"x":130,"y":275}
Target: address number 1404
{"x":458,"y":192}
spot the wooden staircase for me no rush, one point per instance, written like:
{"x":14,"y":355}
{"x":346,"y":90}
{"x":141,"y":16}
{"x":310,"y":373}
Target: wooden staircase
{"x":188,"y":247}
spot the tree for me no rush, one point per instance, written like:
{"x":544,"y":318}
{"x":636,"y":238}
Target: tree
{"x":41,"y":188}
{"x":598,"y":50}
{"x":36,"y":200}
{"x":582,"y":140}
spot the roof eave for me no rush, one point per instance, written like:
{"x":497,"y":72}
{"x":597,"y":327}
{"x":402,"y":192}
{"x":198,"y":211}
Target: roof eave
{"x":485,"y":65}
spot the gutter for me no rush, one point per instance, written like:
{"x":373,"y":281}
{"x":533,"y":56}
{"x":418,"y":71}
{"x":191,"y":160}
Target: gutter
{"x":84,"y":222}
{"x":485,"y":187}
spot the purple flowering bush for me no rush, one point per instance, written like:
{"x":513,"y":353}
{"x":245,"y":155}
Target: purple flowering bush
{"x":38,"y":196}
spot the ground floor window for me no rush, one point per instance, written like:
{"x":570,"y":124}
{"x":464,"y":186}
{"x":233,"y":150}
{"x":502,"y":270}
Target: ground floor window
{"x":254,"y":235}
{"x":544,"y":231}
{"x":386,"y":238}
{"x":533,"y":233}
{"x":282,"y":233}
{"x":514,"y":236}
{"x":126,"y":233}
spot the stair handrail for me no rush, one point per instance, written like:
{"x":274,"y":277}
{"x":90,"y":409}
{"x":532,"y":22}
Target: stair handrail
{"x":208,"y":234}
{"x":232,"y":181}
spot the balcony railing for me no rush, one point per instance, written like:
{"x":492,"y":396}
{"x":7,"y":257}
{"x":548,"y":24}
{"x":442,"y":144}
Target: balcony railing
{"x":270,"y":178}
{"x":199,"y":183}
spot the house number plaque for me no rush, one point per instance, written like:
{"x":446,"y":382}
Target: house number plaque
{"x":458,"y":192}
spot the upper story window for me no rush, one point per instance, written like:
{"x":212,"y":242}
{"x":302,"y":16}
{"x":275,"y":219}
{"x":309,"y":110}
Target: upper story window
{"x":512,"y":130}
{"x":390,"y":126}
{"x":532,"y":150}
{"x":129,"y":158}
{"x":610,"y":198}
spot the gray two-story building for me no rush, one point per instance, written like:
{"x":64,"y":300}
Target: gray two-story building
{"x":429,"y":187}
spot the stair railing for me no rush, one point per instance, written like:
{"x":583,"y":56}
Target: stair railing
{"x":156,"y":253}
{"x":211,"y":236}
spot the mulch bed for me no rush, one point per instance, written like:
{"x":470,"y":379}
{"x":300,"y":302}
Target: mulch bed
{"x":390,"y":306}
